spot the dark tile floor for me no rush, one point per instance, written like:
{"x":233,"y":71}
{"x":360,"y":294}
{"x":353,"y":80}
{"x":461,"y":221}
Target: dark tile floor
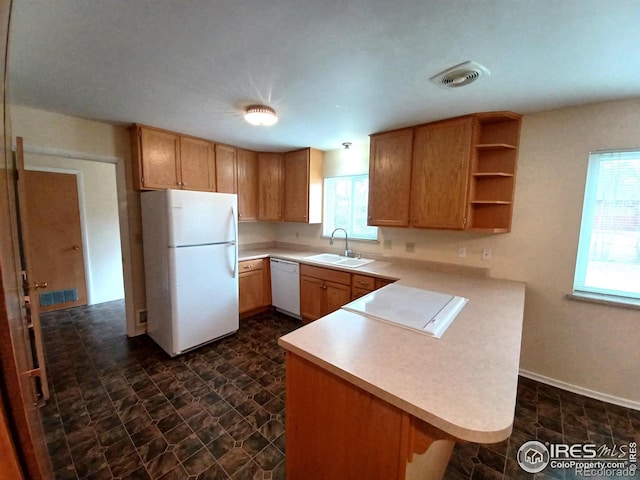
{"x":121,"y":408}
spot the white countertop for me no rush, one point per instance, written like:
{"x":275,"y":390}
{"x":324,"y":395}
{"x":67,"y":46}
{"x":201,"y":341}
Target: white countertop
{"x":463,"y":383}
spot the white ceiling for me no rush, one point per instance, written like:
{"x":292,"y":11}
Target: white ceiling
{"x":335,"y":70}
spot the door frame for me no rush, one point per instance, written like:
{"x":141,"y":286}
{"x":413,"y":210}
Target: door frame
{"x":83,"y":219}
{"x":123,"y":192}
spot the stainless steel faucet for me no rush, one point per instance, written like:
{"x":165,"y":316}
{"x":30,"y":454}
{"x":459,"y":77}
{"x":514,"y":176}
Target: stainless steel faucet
{"x":347,"y":251}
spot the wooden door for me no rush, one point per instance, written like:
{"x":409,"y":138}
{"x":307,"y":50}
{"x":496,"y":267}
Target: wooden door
{"x":247,"y":185}
{"x":9,"y":464}
{"x":390,"y":178}
{"x":226,"y":180}
{"x":337,"y":295}
{"x":270,"y":186}
{"x":197,"y":165}
{"x":312,"y":298}
{"x":160,"y":159}
{"x":32,"y":284}
{"x":441,"y":153}
{"x":296,"y":186}
{"x":55,"y":239}
{"x":18,"y":398}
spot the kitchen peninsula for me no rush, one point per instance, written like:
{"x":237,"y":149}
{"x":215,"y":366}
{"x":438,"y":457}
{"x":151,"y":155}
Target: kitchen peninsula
{"x":367,"y":399}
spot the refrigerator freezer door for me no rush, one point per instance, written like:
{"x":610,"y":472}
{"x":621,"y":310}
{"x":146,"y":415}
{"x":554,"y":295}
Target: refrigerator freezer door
{"x":205,"y":294}
{"x":200,"y":218}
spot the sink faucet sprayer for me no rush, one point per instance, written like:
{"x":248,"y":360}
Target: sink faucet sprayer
{"x":347,"y":251}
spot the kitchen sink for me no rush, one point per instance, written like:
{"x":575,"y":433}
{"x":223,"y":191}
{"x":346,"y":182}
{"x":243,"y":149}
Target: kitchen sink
{"x":339,"y":260}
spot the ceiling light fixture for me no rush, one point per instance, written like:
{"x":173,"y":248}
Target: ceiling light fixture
{"x":346,"y":145}
{"x":260,"y":115}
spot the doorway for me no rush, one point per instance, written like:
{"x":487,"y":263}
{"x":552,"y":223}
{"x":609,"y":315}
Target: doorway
{"x":98,"y":211}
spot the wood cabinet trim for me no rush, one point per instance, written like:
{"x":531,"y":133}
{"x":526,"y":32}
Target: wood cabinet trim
{"x":328,"y":274}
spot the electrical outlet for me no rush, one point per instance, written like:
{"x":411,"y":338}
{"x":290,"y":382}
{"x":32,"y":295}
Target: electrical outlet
{"x":386,"y":245}
{"x":410,"y":247}
{"x":462,"y":252}
{"x":486,"y":254}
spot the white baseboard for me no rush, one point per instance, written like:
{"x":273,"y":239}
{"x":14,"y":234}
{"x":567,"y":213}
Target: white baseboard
{"x":623,"y":402}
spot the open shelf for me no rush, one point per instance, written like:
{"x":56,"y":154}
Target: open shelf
{"x":492,"y":174}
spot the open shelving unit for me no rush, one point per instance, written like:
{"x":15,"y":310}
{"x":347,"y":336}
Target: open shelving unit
{"x":494,"y":156}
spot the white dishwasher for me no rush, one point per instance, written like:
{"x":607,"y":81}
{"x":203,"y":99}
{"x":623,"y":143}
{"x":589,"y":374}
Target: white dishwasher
{"x":285,"y":286}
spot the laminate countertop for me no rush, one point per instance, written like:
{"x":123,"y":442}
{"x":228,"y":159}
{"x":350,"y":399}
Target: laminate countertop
{"x":463,"y":383}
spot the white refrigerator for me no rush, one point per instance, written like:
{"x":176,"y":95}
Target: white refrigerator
{"x":191,"y":267}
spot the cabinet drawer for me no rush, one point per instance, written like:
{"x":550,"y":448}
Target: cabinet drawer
{"x":249,"y":265}
{"x":381,"y":282}
{"x":364,"y":282}
{"x":326,"y":274}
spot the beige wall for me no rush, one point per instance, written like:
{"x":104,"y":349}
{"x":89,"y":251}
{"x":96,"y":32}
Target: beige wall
{"x":591,"y":347}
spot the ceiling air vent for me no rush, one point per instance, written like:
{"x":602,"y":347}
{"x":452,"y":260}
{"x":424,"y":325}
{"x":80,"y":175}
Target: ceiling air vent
{"x":460,"y":75}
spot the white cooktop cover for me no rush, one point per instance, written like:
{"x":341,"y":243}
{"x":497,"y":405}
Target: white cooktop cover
{"x":420,"y":310}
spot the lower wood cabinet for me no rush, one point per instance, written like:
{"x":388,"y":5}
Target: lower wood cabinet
{"x":361,"y":285}
{"x":322,"y":291}
{"x":336,"y":430}
{"x":254,"y":283}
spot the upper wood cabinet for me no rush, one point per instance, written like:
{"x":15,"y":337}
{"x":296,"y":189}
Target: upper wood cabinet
{"x":247,"y":167}
{"x":197,"y":164}
{"x":440,"y":174}
{"x":162,"y":159}
{"x":226,"y":173}
{"x":303,"y":186}
{"x":270,"y":186}
{"x":155,"y":156}
{"x":390,"y":178}
{"x":452,"y":174}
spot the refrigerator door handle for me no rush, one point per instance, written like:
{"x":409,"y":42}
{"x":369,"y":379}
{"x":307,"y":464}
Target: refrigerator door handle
{"x":235,"y":242}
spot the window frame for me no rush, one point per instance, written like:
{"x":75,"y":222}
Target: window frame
{"x":352,"y":212}
{"x":580,"y":288}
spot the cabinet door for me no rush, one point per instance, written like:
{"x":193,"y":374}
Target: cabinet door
{"x":441,"y":153}
{"x":197,"y":164}
{"x":160,"y":159}
{"x":270,"y":186}
{"x":226,"y":180}
{"x":337,"y":295}
{"x":390,"y":178}
{"x":312,"y":298}
{"x":247,"y":185}
{"x":251,"y":292}
{"x":296,"y":186}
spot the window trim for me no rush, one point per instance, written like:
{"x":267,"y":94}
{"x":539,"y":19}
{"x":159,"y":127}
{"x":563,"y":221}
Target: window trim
{"x":580,"y":291}
{"x":324,"y":215}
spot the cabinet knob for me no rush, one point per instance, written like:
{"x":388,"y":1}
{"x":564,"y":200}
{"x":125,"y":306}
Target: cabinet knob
{"x":247,"y":267}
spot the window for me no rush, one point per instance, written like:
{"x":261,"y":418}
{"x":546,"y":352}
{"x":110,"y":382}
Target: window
{"x":608,"y":260}
{"x":345,"y":205}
